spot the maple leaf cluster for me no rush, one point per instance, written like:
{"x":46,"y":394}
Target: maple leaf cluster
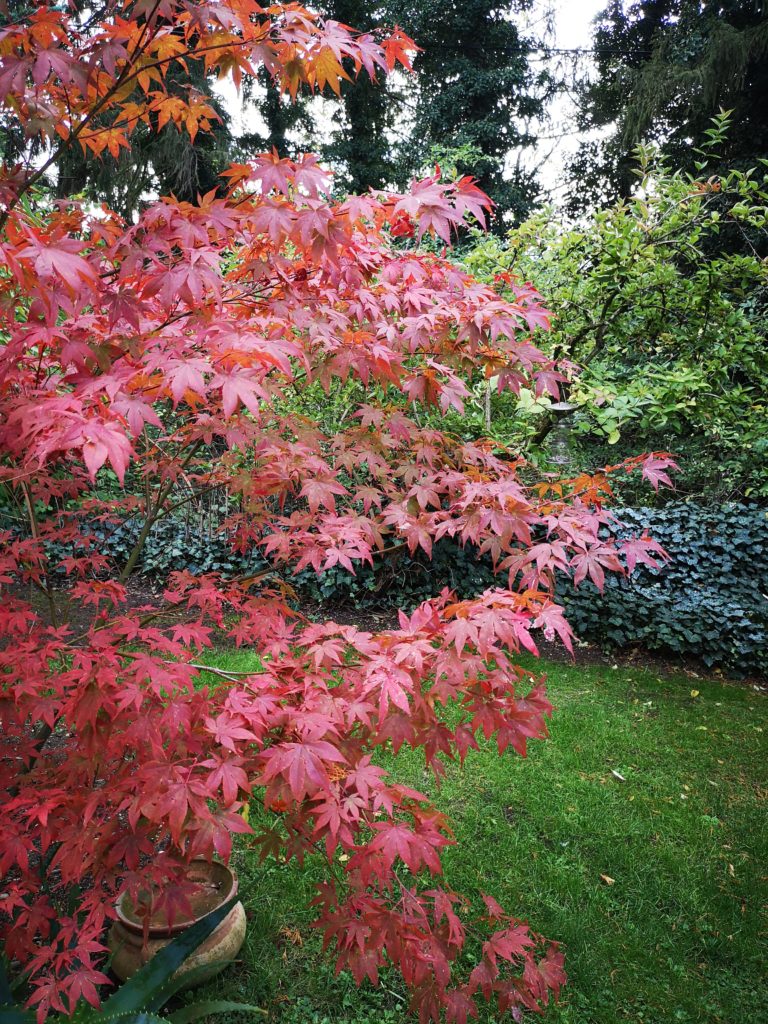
{"x":164,"y":351}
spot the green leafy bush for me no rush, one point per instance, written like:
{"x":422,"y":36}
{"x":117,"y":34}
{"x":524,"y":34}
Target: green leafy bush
{"x":661,"y":303}
{"x":707,"y":602}
{"x":401,"y":580}
{"x":396,"y":579}
{"x":173,"y":545}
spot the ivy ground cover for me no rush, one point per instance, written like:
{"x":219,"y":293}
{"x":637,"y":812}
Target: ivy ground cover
{"x":653,"y":884}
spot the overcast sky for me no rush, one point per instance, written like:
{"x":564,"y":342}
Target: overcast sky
{"x":574,"y":18}
{"x":573,"y":31}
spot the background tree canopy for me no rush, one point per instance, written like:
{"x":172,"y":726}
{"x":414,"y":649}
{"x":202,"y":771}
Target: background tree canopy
{"x":472,"y":100}
{"x":476,"y":88}
{"x":664,"y":69}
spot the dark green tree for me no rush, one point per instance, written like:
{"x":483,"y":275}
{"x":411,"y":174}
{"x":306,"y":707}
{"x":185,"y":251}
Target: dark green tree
{"x":284,"y":119}
{"x":165,"y":162}
{"x":664,"y":70}
{"x":363,"y":149}
{"x":476,"y":91}
{"x":470,"y":98}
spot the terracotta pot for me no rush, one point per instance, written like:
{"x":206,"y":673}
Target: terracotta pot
{"x":217,"y":884}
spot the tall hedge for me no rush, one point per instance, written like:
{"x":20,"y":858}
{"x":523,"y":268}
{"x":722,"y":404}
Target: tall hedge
{"x":710,"y":600}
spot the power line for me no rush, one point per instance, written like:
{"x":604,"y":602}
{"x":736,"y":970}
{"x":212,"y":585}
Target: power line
{"x":590,"y":51}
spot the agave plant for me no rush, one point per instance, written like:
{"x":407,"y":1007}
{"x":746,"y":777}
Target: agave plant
{"x":140,"y":999}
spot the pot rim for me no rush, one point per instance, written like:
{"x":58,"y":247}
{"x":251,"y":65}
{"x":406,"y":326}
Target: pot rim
{"x":136,"y":926}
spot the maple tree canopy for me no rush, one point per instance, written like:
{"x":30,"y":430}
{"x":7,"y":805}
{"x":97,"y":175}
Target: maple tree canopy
{"x":162,"y":350}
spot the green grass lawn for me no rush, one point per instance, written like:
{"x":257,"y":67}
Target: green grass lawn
{"x":677,"y":936}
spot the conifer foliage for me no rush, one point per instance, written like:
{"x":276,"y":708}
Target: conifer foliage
{"x":155,"y":352}
{"x":665,"y":69}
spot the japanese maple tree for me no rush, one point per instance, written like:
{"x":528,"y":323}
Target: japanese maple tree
{"x":160,"y":350}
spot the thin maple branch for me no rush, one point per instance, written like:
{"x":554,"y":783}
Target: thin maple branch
{"x":152,"y":517}
{"x":229,"y":674}
{"x":76,"y":132}
{"x":47,"y":589}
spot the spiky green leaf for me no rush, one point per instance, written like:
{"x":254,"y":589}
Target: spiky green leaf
{"x":209,"y":1007}
{"x":149,"y":988}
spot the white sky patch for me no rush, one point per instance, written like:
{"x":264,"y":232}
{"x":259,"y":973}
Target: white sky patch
{"x":558,"y":136}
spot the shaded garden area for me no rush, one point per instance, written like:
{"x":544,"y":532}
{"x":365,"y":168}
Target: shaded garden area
{"x":383,"y":531}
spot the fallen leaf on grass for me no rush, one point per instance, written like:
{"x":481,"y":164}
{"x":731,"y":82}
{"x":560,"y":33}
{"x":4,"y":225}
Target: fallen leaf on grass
{"x":291,"y":936}
{"x":608,"y":880}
